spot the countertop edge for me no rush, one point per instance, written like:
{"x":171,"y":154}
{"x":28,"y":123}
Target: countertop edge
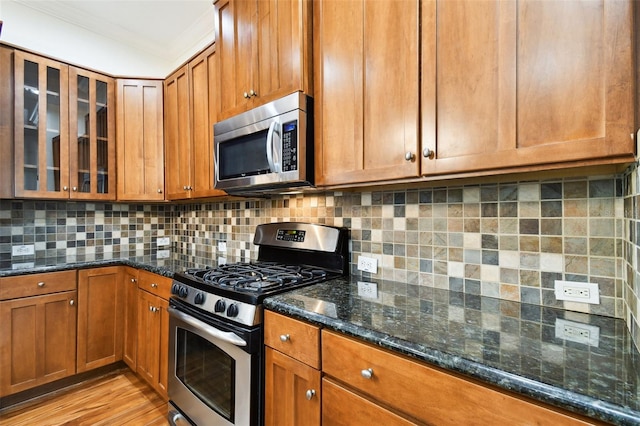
{"x":160,"y":270}
{"x":549,"y":394}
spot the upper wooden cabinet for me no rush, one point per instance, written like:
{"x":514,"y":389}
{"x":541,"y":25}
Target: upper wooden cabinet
{"x":264,"y":50}
{"x":140,"y":140}
{"x":366,"y":94}
{"x":7,"y":167}
{"x":190,"y":112}
{"x":518,"y":85}
{"x":504,"y":87}
{"x":64,"y":131}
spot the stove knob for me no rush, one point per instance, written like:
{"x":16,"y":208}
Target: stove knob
{"x":183,"y":291}
{"x":199,"y":299}
{"x":175,"y":289}
{"x":220,"y":306}
{"x":232,"y":310}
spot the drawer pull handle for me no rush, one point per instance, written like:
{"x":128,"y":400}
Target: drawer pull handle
{"x":41,"y":284}
{"x":154,"y":285}
{"x":367,"y":374}
{"x":285,"y":338}
{"x":310,"y":394}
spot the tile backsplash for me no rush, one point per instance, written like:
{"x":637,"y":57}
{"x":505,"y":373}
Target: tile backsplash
{"x":505,"y":240}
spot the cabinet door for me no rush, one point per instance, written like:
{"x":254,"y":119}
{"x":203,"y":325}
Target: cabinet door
{"x":292,"y":391}
{"x":367,"y":80}
{"x":41,"y":127}
{"x":37,"y":340}
{"x":92,"y":135}
{"x":100,"y":317}
{"x":177,"y":135}
{"x":153,"y":341}
{"x":203,"y":96}
{"x":7,"y":118}
{"x":140,"y":140}
{"x":130,"y":339}
{"x":515,"y":85}
{"x":237,"y":50}
{"x":162,"y":379}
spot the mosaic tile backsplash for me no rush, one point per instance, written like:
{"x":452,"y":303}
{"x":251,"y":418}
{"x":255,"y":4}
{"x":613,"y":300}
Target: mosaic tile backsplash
{"x":504,"y":240}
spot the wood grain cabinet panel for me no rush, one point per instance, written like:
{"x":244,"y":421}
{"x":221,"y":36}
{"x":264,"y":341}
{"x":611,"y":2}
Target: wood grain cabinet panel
{"x":367,"y":98}
{"x":295,"y":338}
{"x":37,"y":339}
{"x":264,"y":52}
{"x":516,"y":86}
{"x":140,"y":140}
{"x":130,"y":339}
{"x":100,"y":317}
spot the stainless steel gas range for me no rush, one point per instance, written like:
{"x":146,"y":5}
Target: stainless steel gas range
{"x":215,"y":337}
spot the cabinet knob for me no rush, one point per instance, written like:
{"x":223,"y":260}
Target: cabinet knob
{"x":184,"y":187}
{"x":65,"y":188}
{"x":133,"y":280}
{"x":310,"y":394}
{"x":154,"y":285}
{"x":41,"y":284}
{"x":153,"y":309}
{"x":246,"y":95}
{"x":427,"y":153}
{"x":190,"y":187}
{"x":409,"y":156}
{"x":252,"y":93}
{"x":367,"y":374}
{"x":75,"y":188}
{"x":71,"y":302}
{"x":285,"y":337}
{"x":159,"y":191}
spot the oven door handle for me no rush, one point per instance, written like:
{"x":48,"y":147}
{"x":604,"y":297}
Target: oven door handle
{"x":206,"y":328}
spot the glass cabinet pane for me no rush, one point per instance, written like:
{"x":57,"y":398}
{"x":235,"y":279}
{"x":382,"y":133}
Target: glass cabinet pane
{"x":102,"y":119}
{"x":53,"y":129}
{"x":84,"y":135}
{"x":30,"y":125}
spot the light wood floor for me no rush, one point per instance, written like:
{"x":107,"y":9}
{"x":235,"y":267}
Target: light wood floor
{"x":119,"y":398}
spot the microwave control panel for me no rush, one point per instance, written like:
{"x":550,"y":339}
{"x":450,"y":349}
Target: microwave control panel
{"x":290,"y":146}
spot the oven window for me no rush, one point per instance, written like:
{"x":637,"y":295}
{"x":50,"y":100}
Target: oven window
{"x":207,"y":371}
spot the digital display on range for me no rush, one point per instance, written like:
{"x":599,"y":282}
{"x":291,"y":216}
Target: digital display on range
{"x":294,"y":235}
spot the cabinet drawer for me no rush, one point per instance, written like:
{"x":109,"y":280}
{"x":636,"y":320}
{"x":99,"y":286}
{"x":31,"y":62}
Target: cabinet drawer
{"x":155,"y":284}
{"x":425,"y":393}
{"x":295,"y":338}
{"x":37,"y":284}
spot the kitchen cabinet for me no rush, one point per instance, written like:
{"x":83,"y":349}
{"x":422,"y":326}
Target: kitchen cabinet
{"x":503,"y":87}
{"x":140,"y":140}
{"x":519,"y":86}
{"x":153,"y":330}
{"x":130,"y":339}
{"x":7,"y":176}
{"x":264,"y":50}
{"x":292,"y":371}
{"x":37,"y":330}
{"x":362,"y":375}
{"x":367,"y":79}
{"x":64,"y":131}
{"x":190,"y":112}
{"x":100,"y":317}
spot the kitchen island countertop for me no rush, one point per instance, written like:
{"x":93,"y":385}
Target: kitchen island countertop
{"x":514,"y":346}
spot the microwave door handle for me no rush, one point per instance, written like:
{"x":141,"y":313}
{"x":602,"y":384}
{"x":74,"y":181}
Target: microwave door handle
{"x":270,"y":134}
{"x":228,"y":337}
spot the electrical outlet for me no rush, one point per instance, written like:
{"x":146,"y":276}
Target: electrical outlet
{"x":577,"y":292}
{"x":23,"y":250}
{"x":368,"y":290}
{"x":222,"y":246}
{"x":578,"y":332}
{"x":367,"y":264}
{"x":163,"y":254}
{"x":163,"y":241}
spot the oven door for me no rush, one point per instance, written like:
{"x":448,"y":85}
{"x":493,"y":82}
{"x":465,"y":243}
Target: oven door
{"x":210,"y":372}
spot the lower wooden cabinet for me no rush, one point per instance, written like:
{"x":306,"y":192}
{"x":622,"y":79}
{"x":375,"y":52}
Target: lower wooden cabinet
{"x":130,"y":339}
{"x":100,"y":317}
{"x":292,"y":375}
{"x":37,"y":330}
{"x":153,"y":331}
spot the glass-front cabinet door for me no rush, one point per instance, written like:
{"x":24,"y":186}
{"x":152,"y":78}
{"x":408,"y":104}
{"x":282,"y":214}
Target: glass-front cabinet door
{"x":92,"y":135}
{"x":64,"y":131}
{"x":41,"y":127}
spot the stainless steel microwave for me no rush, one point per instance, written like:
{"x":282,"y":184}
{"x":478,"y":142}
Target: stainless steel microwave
{"x":266,"y":149}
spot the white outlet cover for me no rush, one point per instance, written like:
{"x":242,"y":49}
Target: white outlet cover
{"x":591,"y":288}
{"x":163,"y":254}
{"x":23,"y":250}
{"x":368,"y":264}
{"x":163,"y":241}
{"x":222,"y":246}
{"x":578,"y":332}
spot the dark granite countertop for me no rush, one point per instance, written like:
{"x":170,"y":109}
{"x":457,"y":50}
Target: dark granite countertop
{"x":511,"y":345}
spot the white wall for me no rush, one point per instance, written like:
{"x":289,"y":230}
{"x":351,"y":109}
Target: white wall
{"x":44,"y":34}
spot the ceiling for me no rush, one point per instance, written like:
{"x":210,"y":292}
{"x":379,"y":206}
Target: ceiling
{"x":164,"y":28}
